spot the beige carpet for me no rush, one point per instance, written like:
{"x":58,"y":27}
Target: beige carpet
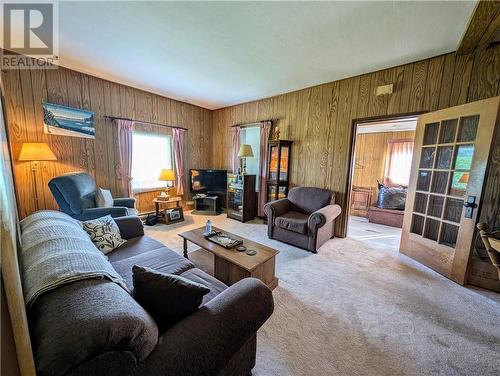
{"x":356,"y":310}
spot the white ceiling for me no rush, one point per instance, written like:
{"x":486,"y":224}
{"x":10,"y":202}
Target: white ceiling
{"x":216,"y":54}
{"x":393,"y":125}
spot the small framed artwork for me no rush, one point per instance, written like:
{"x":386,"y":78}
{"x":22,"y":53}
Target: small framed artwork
{"x":173,"y":215}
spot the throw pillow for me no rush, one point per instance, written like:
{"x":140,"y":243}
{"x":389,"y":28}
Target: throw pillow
{"x":168,"y":298}
{"x":104,"y":198}
{"x":104,"y":233}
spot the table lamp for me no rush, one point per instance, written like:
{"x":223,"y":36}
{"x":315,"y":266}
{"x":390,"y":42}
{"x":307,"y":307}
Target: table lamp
{"x":35,"y":152}
{"x":168,"y":176}
{"x":244,"y":153}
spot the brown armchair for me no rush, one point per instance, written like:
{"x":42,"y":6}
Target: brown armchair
{"x":304,"y":219}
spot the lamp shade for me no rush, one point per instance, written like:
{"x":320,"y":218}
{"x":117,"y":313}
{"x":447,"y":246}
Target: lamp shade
{"x":167,"y":175}
{"x":36,"y":151}
{"x":245,"y":151}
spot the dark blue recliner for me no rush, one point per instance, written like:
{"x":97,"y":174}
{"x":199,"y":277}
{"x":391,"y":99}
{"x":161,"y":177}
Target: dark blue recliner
{"x":75,"y":194}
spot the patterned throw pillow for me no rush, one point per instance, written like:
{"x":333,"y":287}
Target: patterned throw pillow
{"x":104,"y":233}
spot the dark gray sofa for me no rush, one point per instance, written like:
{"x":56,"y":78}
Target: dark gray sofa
{"x":305,"y":218}
{"x":94,"y":327}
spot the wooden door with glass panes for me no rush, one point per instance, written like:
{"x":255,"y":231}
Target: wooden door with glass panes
{"x":448,"y":170}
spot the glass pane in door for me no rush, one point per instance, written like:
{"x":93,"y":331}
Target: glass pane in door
{"x":431,"y":230}
{"x":273,"y":164}
{"x":430,"y":133}
{"x":439,"y":181}
{"x":420,"y":203}
{"x":271,"y":193}
{"x":449,"y":234}
{"x":284,"y":163}
{"x":417,"y":224}
{"x":427,"y":157}
{"x":444,"y":155}
{"x":423,"y":181}
{"x":463,"y":157}
{"x":468,"y":128}
{"x":453,"y":209}
{"x":282,"y":193}
{"x":435,"y":206}
{"x":448,"y":131}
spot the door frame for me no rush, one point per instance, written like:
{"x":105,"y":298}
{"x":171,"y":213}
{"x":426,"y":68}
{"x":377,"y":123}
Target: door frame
{"x":352,"y":147}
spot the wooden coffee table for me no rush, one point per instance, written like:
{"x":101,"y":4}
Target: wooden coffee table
{"x":230,"y":266}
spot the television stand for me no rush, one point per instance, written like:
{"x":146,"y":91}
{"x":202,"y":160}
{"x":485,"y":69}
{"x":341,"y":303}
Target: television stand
{"x":207,"y":204}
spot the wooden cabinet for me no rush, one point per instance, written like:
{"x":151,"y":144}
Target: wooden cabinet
{"x":278,"y":169}
{"x":241,"y":197}
{"x":361,"y":198}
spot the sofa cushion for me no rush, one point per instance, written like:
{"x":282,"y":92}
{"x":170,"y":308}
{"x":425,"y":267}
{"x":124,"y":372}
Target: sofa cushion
{"x":309,"y":199}
{"x":215,"y":286}
{"x":162,"y":259}
{"x":133,"y":247}
{"x":167,"y":297}
{"x":81,"y":320}
{"x":293,"y":221}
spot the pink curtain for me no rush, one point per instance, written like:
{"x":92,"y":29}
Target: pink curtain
{"x":265,"y":130}
{"x":124,"y":169}
{"x":179,"y":136}
{"x":398,"y":162}
{"x":235,"y":163}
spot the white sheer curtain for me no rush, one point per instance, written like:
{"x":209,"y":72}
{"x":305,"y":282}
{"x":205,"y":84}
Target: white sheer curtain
{"x":398,"y":161}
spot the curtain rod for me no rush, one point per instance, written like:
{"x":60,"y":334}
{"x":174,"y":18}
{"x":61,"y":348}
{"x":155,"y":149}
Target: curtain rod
{"x":143,"y":122}
{"x":257,"y":122}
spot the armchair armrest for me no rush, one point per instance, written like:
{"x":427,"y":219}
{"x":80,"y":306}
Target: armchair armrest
{"x":92,"y":213}
{"x":130,"y":226}
{"x":326,"y":214}
{"x":277,"y":208}
{"x":205,"y":341}
{"x":128,"y":202}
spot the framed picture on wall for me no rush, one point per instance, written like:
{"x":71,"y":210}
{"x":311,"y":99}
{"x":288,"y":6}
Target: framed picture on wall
{"x":66,"y":121}
{"x":174,"y":215}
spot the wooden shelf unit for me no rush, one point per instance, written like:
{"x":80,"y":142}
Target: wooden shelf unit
{"x":278,"y":169}
{"x":241,"y":197}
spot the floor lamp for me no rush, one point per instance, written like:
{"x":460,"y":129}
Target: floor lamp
{"x":35,"y":152}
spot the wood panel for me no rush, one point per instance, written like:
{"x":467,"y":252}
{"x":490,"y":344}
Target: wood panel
{"x":370,"y":155}
{"x":25,"y":90}
{"x":478,"y":29}
{"x":319,"y":119}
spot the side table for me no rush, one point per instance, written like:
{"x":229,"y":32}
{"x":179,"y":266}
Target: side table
{"x":160,"y":214}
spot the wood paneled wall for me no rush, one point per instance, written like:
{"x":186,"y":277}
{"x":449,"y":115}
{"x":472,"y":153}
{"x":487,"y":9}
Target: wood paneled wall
{"x":25,"y":90}
{"x":370,"y":156}
{"x":319,"y":119}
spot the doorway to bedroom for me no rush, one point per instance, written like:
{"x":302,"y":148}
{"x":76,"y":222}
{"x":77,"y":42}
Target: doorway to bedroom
{"x":381,"y":163}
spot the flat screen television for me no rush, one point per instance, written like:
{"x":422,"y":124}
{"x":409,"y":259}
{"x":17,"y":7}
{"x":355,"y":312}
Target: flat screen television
{"x":206,"y":180}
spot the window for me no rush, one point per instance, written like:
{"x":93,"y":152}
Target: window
{"x":150,"y":154}
{"x":251,"y":136}
{"x":398,"y":161}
